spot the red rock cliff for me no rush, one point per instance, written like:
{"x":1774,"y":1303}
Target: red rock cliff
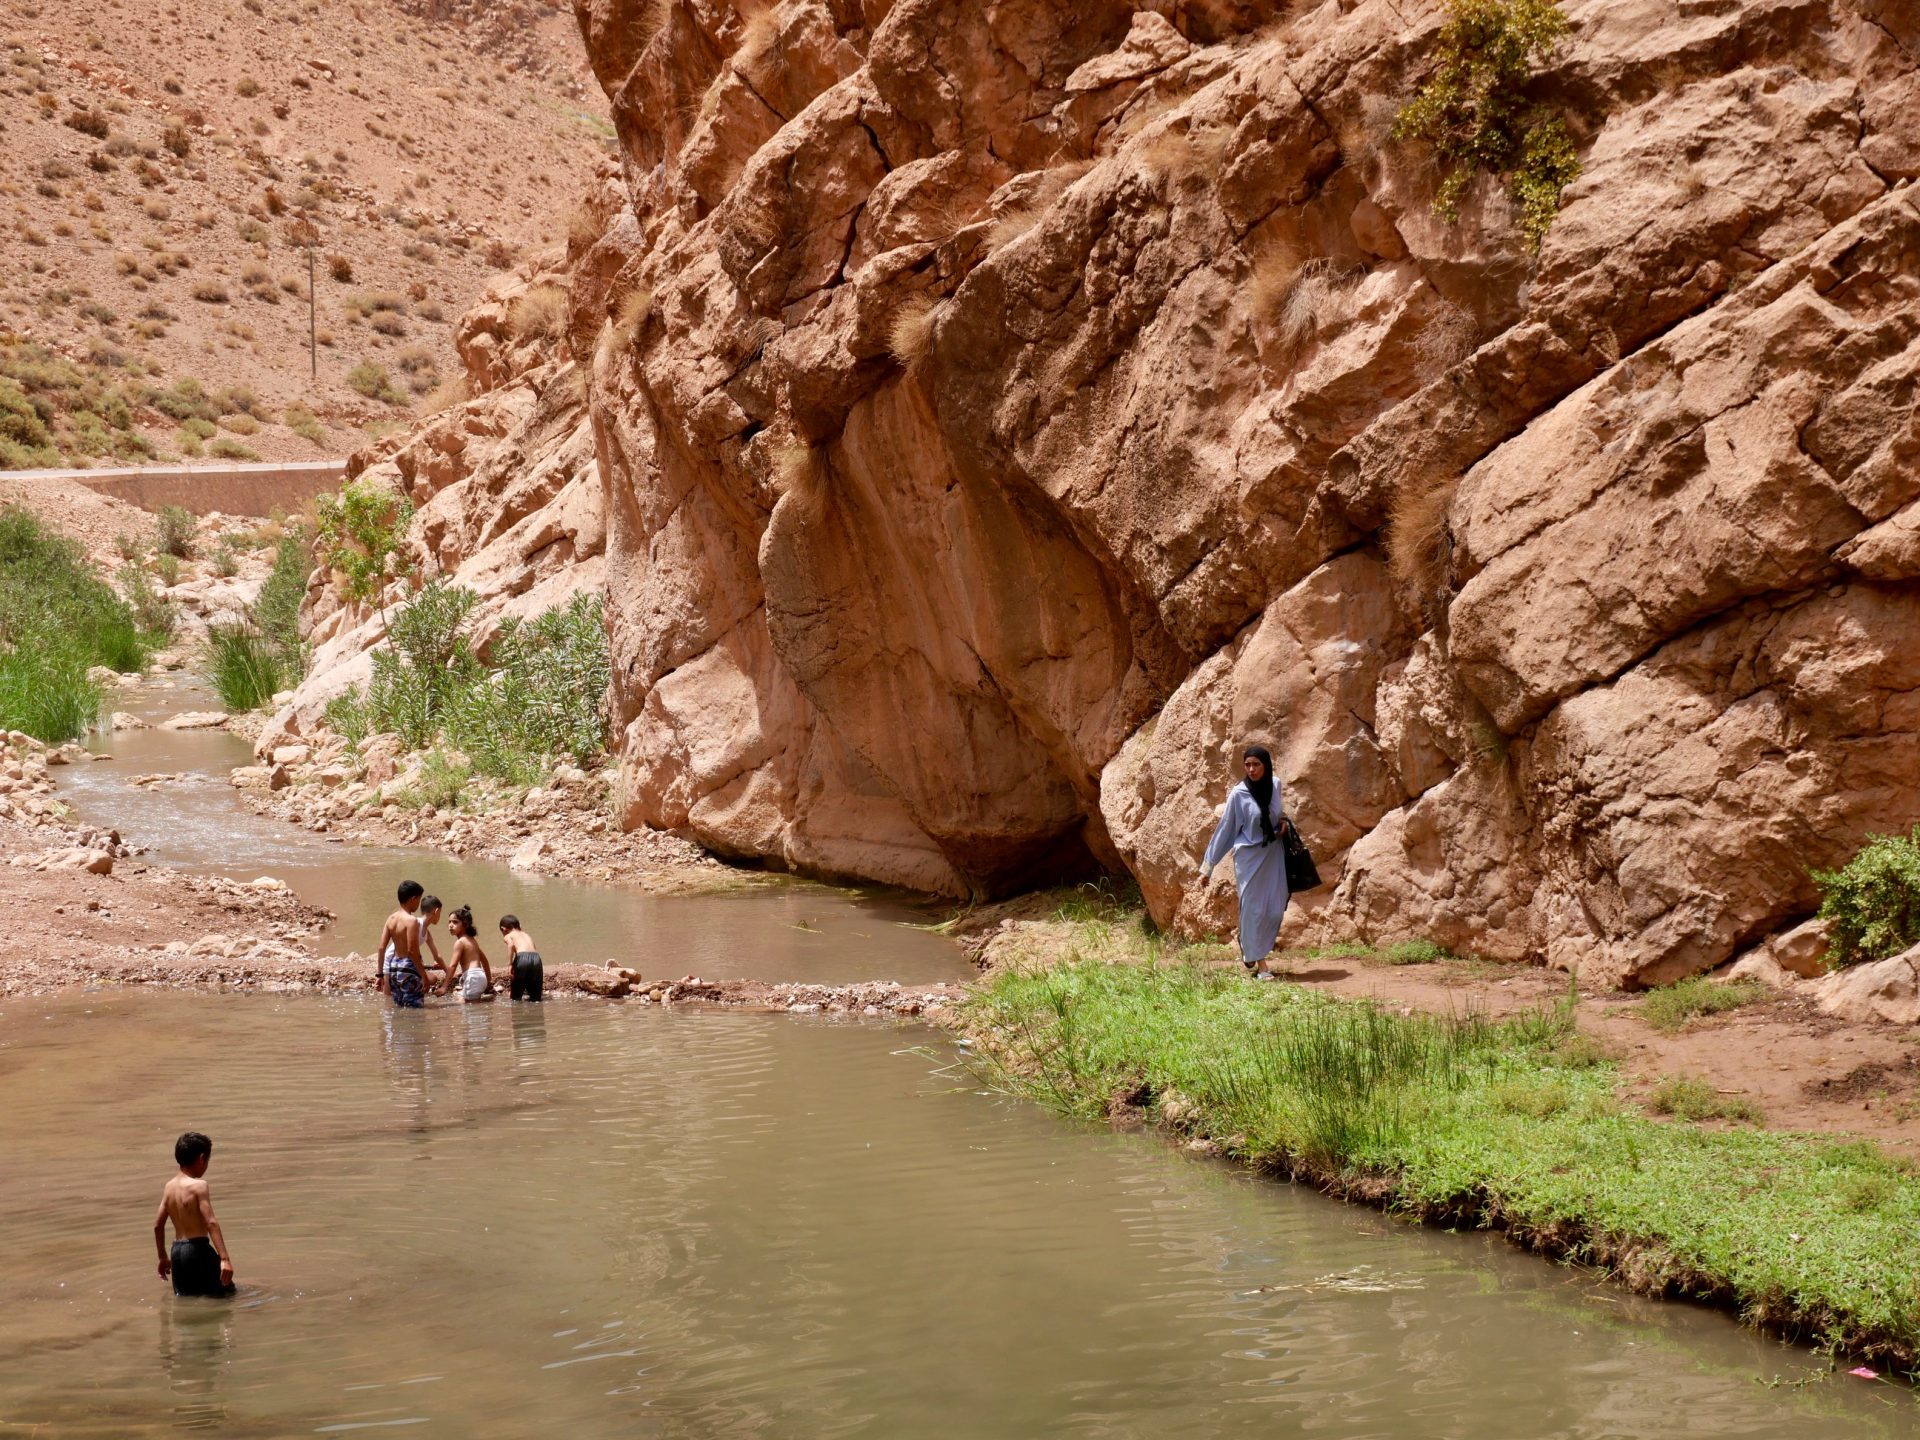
{"x":1005,"y":408}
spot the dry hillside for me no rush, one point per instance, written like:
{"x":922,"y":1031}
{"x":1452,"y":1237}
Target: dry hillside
{"x":153,"y":296}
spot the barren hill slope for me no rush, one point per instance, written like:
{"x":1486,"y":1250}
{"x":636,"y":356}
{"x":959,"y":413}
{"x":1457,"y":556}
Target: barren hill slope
{"x":161,"y":153}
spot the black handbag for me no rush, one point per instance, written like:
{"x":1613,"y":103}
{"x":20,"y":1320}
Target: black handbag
{"x":1302,"y":873}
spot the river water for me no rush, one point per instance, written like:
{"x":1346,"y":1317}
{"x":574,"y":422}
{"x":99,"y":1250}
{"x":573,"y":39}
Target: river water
{"x":784,"y":930}
{"x":602,"y":1220}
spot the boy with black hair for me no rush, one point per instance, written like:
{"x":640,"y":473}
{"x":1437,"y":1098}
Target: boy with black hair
{"x":397,"y":957}
{"x":198,"y":1263}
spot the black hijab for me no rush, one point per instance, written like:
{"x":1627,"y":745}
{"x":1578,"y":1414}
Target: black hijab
{"x":1262,"y":789}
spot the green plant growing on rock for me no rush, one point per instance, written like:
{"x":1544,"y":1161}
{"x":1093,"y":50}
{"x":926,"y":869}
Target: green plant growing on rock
{"x":1872,"y":903}
{"x":535,"y":697}
{"x":1476,"y":113}
{"x":359,"y":536}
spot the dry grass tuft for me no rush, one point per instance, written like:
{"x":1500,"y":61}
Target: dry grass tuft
{"x":759,"y":44}
{"x":1013,"y":222}
{"x":910,"y":336}
{"x":631,"y":316}
{"x":446,"y":395}
{"x":1447,"y":339}
{"x":541,"y":313}
{"x":583,"y":228}
{"x":797,"y":466}
{"x":1418,"y":546}
{"x":1309,"y":305}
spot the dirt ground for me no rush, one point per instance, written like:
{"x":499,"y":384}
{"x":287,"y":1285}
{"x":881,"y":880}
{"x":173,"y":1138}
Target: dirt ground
{"x":1805,"y":1070}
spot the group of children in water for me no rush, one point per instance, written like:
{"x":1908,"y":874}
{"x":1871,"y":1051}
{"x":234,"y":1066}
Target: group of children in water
{"x":402,"y":973}
{"x":198,"y":1262}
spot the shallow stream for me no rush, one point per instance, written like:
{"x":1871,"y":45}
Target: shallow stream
{"x":598,"y":1220}
{"x":780,"y":931}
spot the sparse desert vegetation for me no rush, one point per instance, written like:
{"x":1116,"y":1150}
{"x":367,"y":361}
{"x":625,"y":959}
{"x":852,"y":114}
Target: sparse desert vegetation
{"x":160,"y":195}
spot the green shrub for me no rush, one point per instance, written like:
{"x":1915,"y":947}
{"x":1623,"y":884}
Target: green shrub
{"x":442,"y":781}
{"x":538,"y":696}
{"x":173,"y":529}
{"x":1872,"y":903}
{"x":372,"y":381}
{"x":360,"y":533}
{"x":167,"y":567}
{"x":57,"y":619}
{"x":305,"y":424}
{"x":154,"y":615}
{"x":276,"y":613}
{"x":1475,"y":111}
{"x":229,"y":449}
{"x":1669,"y":1008}
{"x":245,"y":668}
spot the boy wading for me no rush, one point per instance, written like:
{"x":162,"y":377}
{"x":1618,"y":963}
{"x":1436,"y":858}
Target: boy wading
{"x":198,"y":1263}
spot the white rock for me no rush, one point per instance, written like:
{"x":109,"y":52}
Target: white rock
{"x":195,"y":720}
{"x":527,"y":855}
{"x":292,"y":754}
{"x":1879,"y":990}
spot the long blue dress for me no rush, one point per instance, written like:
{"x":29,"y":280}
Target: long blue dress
{"x":1259,"y":869}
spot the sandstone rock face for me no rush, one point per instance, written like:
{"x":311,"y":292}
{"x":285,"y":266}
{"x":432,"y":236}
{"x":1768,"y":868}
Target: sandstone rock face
{"x":1003,"y":411}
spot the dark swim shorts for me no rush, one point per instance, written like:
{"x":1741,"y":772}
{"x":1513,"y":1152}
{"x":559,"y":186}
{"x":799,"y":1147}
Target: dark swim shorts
{"x":196,"y":1268}
{"x":525,"y":977}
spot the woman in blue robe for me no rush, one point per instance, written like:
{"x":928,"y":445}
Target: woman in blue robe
{"x":1249,"y":828}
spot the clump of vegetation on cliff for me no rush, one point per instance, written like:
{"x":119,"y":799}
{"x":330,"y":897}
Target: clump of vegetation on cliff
{"x":57,"y":620}
{"x":1476,"y":112}
{"x":1872,"y":903}
{"x":1517,"y":1124}
{"x":536,"y":696}
{"x":361,"y":530}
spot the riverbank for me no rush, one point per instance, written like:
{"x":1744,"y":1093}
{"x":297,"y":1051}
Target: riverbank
{"x":1522,"y":1124}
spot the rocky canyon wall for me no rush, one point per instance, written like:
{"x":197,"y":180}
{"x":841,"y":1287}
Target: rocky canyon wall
{"x":1006,"y":407}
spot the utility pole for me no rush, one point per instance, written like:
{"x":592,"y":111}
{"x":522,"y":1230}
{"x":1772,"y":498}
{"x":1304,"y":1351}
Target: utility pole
{"x":307,"y":233}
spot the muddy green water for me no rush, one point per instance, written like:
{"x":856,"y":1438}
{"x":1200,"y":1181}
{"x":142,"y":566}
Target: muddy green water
{"x":783,"y":931}
{"x":595,"y":1221}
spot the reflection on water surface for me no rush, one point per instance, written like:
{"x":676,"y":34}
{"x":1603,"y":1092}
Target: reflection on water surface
{"x":600,"y":1221}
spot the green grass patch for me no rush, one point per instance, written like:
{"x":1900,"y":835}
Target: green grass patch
{"x":1468,"y":1120}
{"x":1669,"y":1008}
{"x":244,"y":667}
{"x":57,"y":620}
{"x":1686,"y":1098}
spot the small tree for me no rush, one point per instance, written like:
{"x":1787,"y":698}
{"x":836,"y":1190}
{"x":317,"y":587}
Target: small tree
{"x":1872,"y":903}
{"x":360,"y":534}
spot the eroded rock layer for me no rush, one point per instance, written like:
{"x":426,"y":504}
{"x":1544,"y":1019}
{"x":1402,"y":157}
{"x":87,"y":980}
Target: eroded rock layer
{"x":1005,"y":407}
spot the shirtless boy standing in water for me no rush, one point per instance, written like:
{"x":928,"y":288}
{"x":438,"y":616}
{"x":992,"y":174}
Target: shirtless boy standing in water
{"x":198,"y":1263}
{"x":400,"y":971}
